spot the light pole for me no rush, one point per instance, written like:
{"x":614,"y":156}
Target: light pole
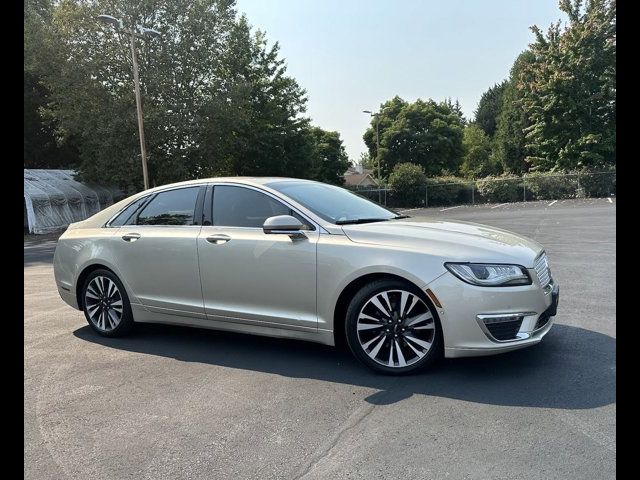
{"x":142,"y":32}
{"x":377,"y":117}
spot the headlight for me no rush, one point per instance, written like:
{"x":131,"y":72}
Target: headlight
{"x":489,"y":274}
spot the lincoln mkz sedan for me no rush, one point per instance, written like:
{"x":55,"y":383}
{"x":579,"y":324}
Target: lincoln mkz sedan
{"x":299,"y":259}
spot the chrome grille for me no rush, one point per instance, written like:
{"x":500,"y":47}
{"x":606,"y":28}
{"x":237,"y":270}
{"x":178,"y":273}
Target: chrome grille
{"x":541,"y":266}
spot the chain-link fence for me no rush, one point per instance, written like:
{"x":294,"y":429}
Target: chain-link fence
{"x":535,"y":186}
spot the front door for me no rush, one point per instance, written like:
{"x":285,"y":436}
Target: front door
{"x":252,"y":277}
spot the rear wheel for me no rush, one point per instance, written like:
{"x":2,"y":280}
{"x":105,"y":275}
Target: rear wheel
{"x":106,"y":305}
{"x":392,"y":328}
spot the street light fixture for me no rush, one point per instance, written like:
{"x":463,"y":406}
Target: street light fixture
{"x":112,"y":20}
{"x":150,"y":32}
{"x":141,"y":32}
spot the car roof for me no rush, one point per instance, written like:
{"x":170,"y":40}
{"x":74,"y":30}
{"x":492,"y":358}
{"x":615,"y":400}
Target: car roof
{"x":243,"y":180}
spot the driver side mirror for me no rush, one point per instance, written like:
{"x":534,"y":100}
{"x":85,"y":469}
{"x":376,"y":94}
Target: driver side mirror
{"x":284,"y":225}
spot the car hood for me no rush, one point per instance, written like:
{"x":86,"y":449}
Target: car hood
{"x":453,"y":241}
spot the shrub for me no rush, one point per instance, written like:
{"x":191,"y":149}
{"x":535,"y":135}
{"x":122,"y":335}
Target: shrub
{"x":548,"y":186}
{"x":408,"y":181}
{"x":597,"y":184}
{"x":506,"y":188}
{"x":448,"y":190}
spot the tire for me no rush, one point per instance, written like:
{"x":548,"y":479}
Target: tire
{"x":106,"y":305}
{"x":390,"y":341}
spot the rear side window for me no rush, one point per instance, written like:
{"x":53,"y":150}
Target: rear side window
{"x":243,"y":207}
{"x":127,"y":213}
{"x":175,"y":207}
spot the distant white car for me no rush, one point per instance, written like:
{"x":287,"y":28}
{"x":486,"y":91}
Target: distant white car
{"x":300,"y":259}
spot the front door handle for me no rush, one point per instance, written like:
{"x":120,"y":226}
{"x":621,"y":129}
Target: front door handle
{"x":218,"y":239}
{"x":131,"y":237}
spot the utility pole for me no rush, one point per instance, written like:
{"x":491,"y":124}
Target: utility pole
{"x":378,"y":144}
{"x":142,"y":32}
{"x":377,"y":119}
{"x":136,"y":82}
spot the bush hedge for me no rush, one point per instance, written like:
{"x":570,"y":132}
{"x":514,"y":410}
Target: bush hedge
{"x":505,"y":188}
{"x":452,"y":190}
{"x":596,"y":184}
{"x":544,"y":186}
{"x":448,"y":190}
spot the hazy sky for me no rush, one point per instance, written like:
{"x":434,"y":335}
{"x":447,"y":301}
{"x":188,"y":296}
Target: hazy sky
{"x":352,"y":55}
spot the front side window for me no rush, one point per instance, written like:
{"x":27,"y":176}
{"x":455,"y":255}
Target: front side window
{"x":243,"y":207}
{"x":333,"y":204}
{"x":175,"y":207}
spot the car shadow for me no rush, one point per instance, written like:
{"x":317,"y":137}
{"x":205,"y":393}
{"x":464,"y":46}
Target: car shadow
{"x":572,"y":368}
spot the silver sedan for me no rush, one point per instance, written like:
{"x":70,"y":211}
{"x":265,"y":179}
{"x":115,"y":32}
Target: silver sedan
{"x":300,"y":259}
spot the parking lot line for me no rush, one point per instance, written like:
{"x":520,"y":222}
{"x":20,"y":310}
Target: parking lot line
{"x":501,"y":205}
{"x":450,"y":208}
{"x":552,"y":203}
{"x":609,"y":198}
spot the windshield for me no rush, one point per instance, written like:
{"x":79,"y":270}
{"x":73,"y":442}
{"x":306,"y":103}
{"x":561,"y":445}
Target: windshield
{"x":334,"y":204}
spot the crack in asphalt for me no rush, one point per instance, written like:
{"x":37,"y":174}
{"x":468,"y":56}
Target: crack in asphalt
{"x":355,"y":419}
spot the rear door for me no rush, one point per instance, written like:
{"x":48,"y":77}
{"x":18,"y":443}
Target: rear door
{"x":157,"y":252}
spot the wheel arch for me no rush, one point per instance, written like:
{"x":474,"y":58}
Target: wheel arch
{"x":347,"y":293}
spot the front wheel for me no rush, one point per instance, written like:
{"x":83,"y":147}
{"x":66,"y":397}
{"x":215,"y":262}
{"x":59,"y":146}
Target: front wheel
{"x":106,"y":305}
{"x":391,"y":328}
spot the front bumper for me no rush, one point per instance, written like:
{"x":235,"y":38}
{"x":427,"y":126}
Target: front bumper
{"x":467,"y":310}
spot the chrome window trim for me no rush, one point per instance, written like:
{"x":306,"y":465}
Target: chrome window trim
{"x":323,"y":227}
{"x":151,"y":194}
{"x":276,"y":197}
{"x":159,"y":226}
{"x":117,"y":214}
{"x":326,"y":227}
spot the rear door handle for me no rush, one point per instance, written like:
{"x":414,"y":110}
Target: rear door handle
{"x":131,"y":237}
{"x":218,"y":239}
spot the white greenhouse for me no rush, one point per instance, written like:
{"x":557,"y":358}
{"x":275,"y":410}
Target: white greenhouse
{"x":53,"y":199}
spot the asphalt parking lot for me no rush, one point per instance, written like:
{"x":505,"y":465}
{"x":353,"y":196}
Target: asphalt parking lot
{"x":171,"y":402}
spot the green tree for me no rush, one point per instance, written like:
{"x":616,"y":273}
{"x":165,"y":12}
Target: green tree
{"x":255,"y":124}
{"x":456,"y":108}
{"x":43,"y":146}
{"x":569,"y":91}
{"x":489,"y":108}
{"x":509,"y":144}
{"x":426,"y":133}
{"x":330,"y":160}
{"x":408,"y":180}
{"x":217,"y":99}
{"x":478,"y":161}
{"x":386,"y":115}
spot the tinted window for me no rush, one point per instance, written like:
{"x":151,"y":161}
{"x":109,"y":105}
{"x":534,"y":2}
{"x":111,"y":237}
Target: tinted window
{"x":127,"y":213}
{"x":243,"y":207}
{"x":334,"y":204}
{"x":175,"y":207}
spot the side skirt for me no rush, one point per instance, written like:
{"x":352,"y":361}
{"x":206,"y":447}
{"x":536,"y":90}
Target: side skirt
{"x":142,"y":315}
